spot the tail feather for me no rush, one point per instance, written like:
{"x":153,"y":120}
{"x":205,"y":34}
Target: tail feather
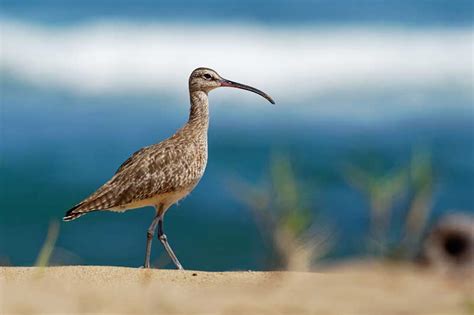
{"x":104,"y":198}
{"x":75,"y":213}
{"x":72,"y":216}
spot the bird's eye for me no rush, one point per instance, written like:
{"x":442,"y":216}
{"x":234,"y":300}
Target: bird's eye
{"x":207,"y":76}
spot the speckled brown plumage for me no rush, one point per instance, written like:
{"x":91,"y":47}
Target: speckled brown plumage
{"x":161,"y":174}
{"x":175,"y":164}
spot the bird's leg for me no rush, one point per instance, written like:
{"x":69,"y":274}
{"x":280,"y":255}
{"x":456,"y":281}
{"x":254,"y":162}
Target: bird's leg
{"x":164,"y":240}
{"x":149,"y":238}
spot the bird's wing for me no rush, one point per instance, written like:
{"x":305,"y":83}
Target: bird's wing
{"x":130,"y":161}
{"x":150,"y":171}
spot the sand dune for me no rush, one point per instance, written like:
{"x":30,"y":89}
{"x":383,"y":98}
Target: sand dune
{"x":358,"y":289}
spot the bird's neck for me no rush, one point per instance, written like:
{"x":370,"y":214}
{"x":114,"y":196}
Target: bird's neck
{"x":199,"y":112}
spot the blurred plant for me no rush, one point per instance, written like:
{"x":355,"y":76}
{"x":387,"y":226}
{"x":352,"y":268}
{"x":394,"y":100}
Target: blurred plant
{"x":413,"y":182}
{"x":283,"y":217}
{"x":422,"y":189}
{"x":48,"y":246}
{"x":381,"y":191}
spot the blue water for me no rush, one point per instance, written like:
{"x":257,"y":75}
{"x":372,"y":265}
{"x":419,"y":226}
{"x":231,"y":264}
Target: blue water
{"x":57,"y":147}
{"x":280,"y":12}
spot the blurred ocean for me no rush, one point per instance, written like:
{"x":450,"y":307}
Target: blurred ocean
{"x":83,"y":86}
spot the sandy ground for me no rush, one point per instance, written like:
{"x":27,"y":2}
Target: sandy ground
{"x":353,"y":289}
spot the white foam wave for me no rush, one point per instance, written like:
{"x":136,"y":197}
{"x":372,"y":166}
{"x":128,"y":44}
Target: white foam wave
{"x":116,"y":57}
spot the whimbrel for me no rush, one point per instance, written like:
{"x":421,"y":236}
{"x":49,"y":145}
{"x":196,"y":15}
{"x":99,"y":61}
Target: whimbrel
{"x":162,"y":174}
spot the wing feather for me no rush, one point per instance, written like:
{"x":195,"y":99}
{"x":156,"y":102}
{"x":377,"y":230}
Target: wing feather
{"x":150,"y":171}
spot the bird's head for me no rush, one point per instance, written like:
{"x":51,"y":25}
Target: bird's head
{"x":205,"y":79}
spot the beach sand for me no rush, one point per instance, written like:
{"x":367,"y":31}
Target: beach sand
{"x":353,"y":289}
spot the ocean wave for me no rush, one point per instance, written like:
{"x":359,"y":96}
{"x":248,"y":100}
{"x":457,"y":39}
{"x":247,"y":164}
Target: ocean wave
{"x":111,"y":57}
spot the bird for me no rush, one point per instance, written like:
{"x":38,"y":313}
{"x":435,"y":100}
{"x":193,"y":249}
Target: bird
{"x":162,"y":174}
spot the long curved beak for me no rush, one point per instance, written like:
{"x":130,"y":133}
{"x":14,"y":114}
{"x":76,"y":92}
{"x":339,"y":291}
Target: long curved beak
{"x":236,"y":85}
